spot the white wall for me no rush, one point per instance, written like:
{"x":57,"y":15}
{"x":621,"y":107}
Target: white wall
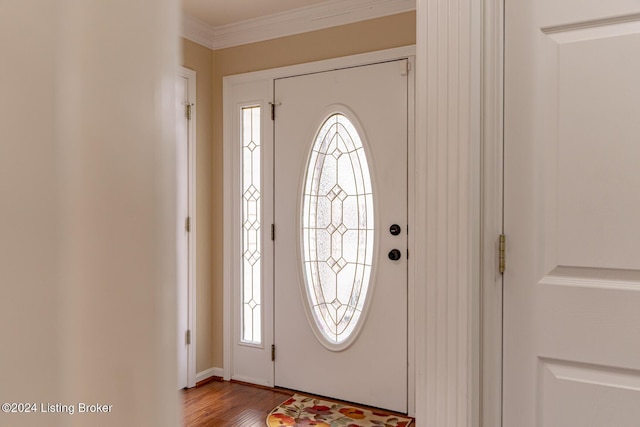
{"x":86,"y":210}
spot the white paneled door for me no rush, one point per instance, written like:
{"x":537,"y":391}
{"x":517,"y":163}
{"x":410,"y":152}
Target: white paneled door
{"x":572,"y":214}
{"x":341,"y":234}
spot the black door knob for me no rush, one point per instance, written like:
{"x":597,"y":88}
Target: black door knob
{"x":394,"y":255}
{"x":395,"y":229}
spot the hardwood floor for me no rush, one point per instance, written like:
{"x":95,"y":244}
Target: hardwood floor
{"x":228,"y":404}
{"x":231,"y":404}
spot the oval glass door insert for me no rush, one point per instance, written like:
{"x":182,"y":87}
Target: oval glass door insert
{"x":337,"y":231}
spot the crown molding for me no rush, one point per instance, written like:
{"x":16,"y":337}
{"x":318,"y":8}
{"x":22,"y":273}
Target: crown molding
{"x":311,"y":18}
{"x":197,"y":31}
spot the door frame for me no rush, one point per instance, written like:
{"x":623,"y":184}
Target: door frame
{"x":492,"y":210}
{"x":466,"y":36}
{"x":253,"y":87}
{"x":459,"y":115}
{"x":190,"y":75}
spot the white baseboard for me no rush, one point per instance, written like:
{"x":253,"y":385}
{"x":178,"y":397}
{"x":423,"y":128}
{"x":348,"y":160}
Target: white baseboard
{"x":250,"y":380}
{"x":219,"y":372}
{"x":208,"y":373}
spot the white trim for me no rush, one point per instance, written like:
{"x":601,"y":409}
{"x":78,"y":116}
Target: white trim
{"x":190,"y":75}
{"x":301,"y":20}
{"x":475,"y":213}
{"x":228,"y":237}
{"x":320,"y":66}
{"x":447,"y":222}
{"x":197,"y":31}
{"x":412,"y":195}
{"x":229,"y":270}
{"x":244,"y":361}
{"x":208,"y":373}
{"x":492,"y":161}
{"x":251,"y":380}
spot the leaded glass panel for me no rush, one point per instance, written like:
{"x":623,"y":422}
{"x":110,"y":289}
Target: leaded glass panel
{"x":337,"y":228}
{"x":251,"y":227}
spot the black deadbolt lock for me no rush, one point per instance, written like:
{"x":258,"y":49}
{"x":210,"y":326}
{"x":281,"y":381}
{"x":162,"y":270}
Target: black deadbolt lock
{"x":395,"y":229}
{"x":394,"y":255}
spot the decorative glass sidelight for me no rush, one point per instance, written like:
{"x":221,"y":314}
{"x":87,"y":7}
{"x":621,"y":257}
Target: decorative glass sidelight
{"x":337,"y":229}
{"x":251,"y":227}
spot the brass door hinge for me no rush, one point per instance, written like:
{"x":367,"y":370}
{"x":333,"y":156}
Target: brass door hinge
{"x":273,"y":352}
{"x":501,"y":253}
{"x":188,"y":111}
{"x":273,"y":232}
{"x":187,"y":224}
{"x":188,"y":337}
{"x":273,"y":109}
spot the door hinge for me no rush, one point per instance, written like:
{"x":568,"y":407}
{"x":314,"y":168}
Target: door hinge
{"x":187,"y":224}
{"x":273,"y":109}
{"x":406,"y":68}
{"x":501,"y":253}
{"x":188,"y":111}
{"x":273,"y":352}
{"x":187,"y":337}
{"x":273,"y":232}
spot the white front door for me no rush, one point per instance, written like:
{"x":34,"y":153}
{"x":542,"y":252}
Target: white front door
{"x":572,"y":214}
{"x":340,"y":212}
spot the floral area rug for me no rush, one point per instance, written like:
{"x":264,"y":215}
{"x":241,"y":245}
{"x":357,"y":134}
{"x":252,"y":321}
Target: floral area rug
{"x":303,"y":411}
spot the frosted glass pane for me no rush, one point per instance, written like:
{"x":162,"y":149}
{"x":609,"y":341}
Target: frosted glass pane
{"x":337,"y":228}
{"x":345,"y":168}
{"x":350,"y":216}
{"x":328,"y":282}
{"x":345,"y":283}
{"x":323,"y":248}
{"x":327,"y":178}
{"x":350,"y":246}
{"x":323,"y":212}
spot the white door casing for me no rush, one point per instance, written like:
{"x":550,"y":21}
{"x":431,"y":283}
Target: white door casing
{"x":253,"y":363}
{"x":185,"y":228}
{"x":572,"y":150}
{"x":373,"y":369}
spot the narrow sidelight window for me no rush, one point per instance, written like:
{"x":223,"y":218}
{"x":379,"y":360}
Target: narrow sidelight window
{"x":251,"y":227}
